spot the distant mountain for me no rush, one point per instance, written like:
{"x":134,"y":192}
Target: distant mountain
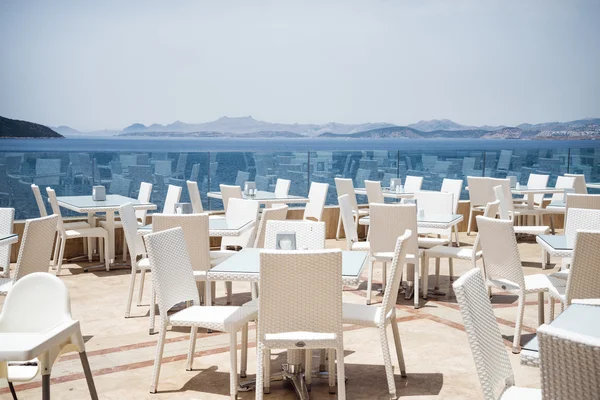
{"x":440,"y":125}
{"x":12,"y":128}
{"x":66,"y":130}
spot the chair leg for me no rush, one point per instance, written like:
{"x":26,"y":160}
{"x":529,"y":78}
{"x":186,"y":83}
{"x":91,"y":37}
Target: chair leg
{"x":88,"y":375}
{"x":12,"y":390}
{"x":267,"y":368}
{"x":254,"y":290}
{"x":233,"y":377}
{"x":437,"y":273}
{"x":192,"y":348}
{"x":451,"y":269}
{"x":130,"y":294}
{"x":331,"y":369}
{"x":142,"y":281}
{"x":260,"y":373}
{"x":456,"y":238}
{"x":56,"y":250}
{"x":152,"y":312}
{"x":228,"y":289}
{"x":416,"y":267}
{"x":383,"y":276}
{"x":551,"y":310}
{"x":339,"y":225}
{"x":341,"y":373}
{"x":470,"y":219}
{"x":398,"y":344}
{"x":104,"y":250}
{"x":244,"y":358}
{"x":124,"y":248}
{"x":60,"y":256}
{"x":518,"y":324}
{"x":308,"y":355}
{"x":540,"y":308}
{"x":46,"y":387}
{"x":425,"y":275}
{"x":387,"y":360}
{"x":160,"y":346}
{"x":369,"y":282}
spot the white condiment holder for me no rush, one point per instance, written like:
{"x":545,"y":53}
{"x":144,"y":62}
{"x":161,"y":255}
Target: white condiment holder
{"x":98,"y":193}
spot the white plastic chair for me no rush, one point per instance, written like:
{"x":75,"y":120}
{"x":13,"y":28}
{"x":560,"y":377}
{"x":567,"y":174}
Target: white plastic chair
{"x":173,"y":196}
{"x":569,"y":364}
{"x":173,"y":282}
{"x":35,"y":250}
{"x":36,"y":325}
{"x":480,"y":193}
{"x":348,"y":221}
{"x":229,"y":192}
{"x":504,"y":270}
{"x":64,"y":234}
{"x":345,"y":186}
{"x":385,"y":314}
{"x":7,"y":217}
{"x":453,"y":186}
{"x":491,"y":361}
{"x":195,"y":198}
{"x":305,"y":324}
{"x":412,"y":184}
{"x":317,"y":196}
{"x":282,"y":187}
{"x":579,"y":186}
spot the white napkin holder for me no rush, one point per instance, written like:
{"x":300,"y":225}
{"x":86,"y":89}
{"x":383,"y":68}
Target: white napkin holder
{"x":98,"y":193}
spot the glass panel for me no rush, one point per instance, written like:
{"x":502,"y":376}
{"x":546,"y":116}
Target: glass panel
{"x":587,"y":162}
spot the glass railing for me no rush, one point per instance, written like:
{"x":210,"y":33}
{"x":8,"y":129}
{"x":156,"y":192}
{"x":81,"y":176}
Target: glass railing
{"x":74,"y":173}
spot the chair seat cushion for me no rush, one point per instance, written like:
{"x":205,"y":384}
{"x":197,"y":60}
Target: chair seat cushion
{"x":532,"y":230}
{"x":144,"y":263}
{"x":519,"y":393}
{"x":533,"y":283}
{"x":360,"y":246}
{"x":427,"y":242}
{"x":5,"y":285}
{"x":463,"y":253}
{"x":292,"y":340}
{"x":364,"y":221}
{"x":360,"y":314}
{"x":76,"y":225}
{"x":220,"y":318}
{"x":86,"y":232}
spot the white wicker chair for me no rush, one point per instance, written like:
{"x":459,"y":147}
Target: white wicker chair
{"x":579,"y":186}
{"x":569,"y":364}
{"x":507,"y":212}
{"x":7,"y":217}
{"x":562,"y":182}
{"x":587,"y":201}
{"x":277,"y":212}
{"x":434,"y":203}
{"x":305,"y":324}
{"x":491,"y":361}
{"x":136,"y":249}
{"x":317,"y":196}
{"x":282,"y":187}
{"x":345,"y":186}
{"x":174,"y":283}
{"x":35,"y":250}
{"x":310,"y":235}
{"x":385,"y":314}
{"x":74,"y":233}
{"x":576,"y":219}
{"x":229,"y":192}
{"x":390,"y":221}
{"x":535,"y":181}
{"x":480,"y":193}
{"x":453,"y":186}
{"x":349,"y":223}
{"x":374,"y":192}
{"x":173,"y":196}
{"x":504,"y":270}
{"x":412,"y":184}
{"x":195,"y":198}
{"x":583,"y":279}
{"x":461,"y":253}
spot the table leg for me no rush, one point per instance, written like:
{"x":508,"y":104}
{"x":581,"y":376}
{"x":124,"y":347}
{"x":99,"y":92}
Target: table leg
{"x":91,"y":244}
{"x":110,"y":226}
{"x":541,"y":308}
{"x":530,"y":202}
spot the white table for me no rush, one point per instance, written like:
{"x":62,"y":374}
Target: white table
{"x":216,"y":227}
{"x":85,"y":205}
{"x":583,"y":319}
{"x":434,"y":221}
{"x":390,"y":194}
{"x":553,"y":245}
{"x":593,"y":185}
{"x":266,"y":198}
{"x":530,"y":193}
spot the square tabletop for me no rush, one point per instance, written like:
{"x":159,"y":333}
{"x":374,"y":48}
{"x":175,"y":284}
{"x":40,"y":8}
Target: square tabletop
{"x":435,"y":221}
{"x":593,"y":185}
{"x":557,"y":242}
{"x":112,"y":202}
{"x":387,"y":192}
{"x":245,"y":266}
{"x":583,"y":319}
{"x":266,"y":197}
{"x":525,"y":190}
{"x":8,"y":238}
{"x":217,"y":227}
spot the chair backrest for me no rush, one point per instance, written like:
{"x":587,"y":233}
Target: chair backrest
{"x":309,"y":235}
{"x":172,"y":273}
{"x":491,"y":210}
{"x":412,"y":184}
{"x":282,"y":187}
{"x":36,"y":246}
{"x":453,"y":186}
{"x":144,"y":197}
{"x":500,"y":251}
{"x":291,"y":274}
{"x":584,"y":279}
{"x":195,"y":198}
{"x":241,"y":178}
{"x":55,"y":209}
{"x":317,"y":196}
{"x":7,"y":217}
{"x":163,"y":167}
{"x":435,"y":203}
{"x":537,"y":181}
{"x":195,"y":232}
{"x":569,"y":364}
{"x":229,"y":192}
{"x":374,"y":192}
{"x":491,"y":361}
{"x":39,"y":200}
{"x":348,"y":221}
{"x":181,"y":162}
{"x":395,"y":274}
{"x":35,"y":304}
{"x":120,"y":185}
{"x":388,"y":222}
{"x":130,"y":226}
{"x":278,"y":212}
{"x":563,"y":182}
{"x":480,"y":190}
{"x":344,"y":186}
{"x":588,"y":201}
{"x":580,"y":218}
{"x":580,"y":186}
{"x":173,"y":196}
{"x":240,"y":209}
{"x":47,"y":171}
{"x":506,"y":207}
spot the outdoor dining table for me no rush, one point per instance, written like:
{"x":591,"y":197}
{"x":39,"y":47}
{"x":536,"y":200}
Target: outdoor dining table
{"x":388,"y":193}
{"x":86,"y":205}
{"x":266,"y":198}
{"x":435,"y":221}
{"x":245,"y":266}
{"x":216,"y":227}
{"x":583,"y":319}
{"x":555,"y":246}
{"x":530,"y":193}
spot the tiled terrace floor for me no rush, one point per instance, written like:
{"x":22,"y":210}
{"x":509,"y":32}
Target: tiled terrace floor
{"x":121,"y":353}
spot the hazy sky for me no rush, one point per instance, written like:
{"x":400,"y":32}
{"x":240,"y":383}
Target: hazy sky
{"x":108,"y":64}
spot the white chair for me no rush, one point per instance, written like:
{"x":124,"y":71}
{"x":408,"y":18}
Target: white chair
{"x":241,"y":178}
{"x":173,"y":282}
{"x":388,"y":222}
{"x":136,"y":249}
{"x":569,"y":364}
{"x":480,"y":193}
{"x":567,"y":183}
{"x":36,"y":326}
{"x":412,"y":184}
{"x":64,"y":234}
{"x":579,"y":186}
{"x":195,"y":198}
{"x":345,"y":186}
{"x":282,"y":187}
{"x":432,"y":203}
{"x":385,"y":314}
{"x":506,"y":213}
{"x":587,"y":201}
{"x":535,"y":181}
{"x":348,"y":221}
{"x":374,"y":192}
{"x":504,"y":270}
{"x":317,"y":196}
{"x":577,"y":219}
{"x":491,"y":361}
{"x":7,"y":217}
{"x":278,"y":212}
{"x":35,"y":250}
{"x":304,"y":324}
{"x":310,"y":235}
{"x":229,"y":192}
{"x":453,"y":186}
{"x":173,"y":196}
{"x":461,"y":253}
